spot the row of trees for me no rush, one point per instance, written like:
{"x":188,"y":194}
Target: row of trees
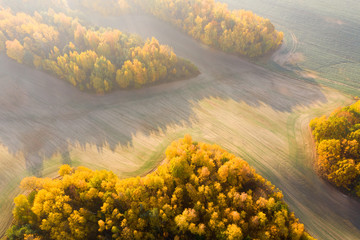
{"x":98,"y":60}
{"x":337,"y":141}
{"x":238,"y":31}
{"x":200,"y":192}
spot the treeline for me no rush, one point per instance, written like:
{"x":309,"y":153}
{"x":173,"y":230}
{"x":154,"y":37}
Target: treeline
{"x":237,"y":31}
{"x":337,"y":142}
{"x":200,"y":192}
{"x":98,"y":60}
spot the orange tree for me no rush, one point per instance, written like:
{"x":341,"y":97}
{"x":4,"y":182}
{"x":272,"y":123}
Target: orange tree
{"x":237,"y":31}
{"x":337,"y":142}
{"x":200,"y":192}
{"x":97,"y":60}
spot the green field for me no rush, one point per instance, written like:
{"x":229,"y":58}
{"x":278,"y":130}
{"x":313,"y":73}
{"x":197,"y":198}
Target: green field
{"x":327,"y":34}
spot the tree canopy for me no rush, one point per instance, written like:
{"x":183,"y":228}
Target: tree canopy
{"x":199,"y":192}
{"x":237,"y":31}
{"x":337,"y":142}
{"x":97,"y":60}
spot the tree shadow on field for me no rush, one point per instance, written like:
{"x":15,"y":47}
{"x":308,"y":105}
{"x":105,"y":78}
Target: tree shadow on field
{"x":41,"y":115}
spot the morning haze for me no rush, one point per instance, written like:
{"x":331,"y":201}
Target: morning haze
{"x":179,"y":119}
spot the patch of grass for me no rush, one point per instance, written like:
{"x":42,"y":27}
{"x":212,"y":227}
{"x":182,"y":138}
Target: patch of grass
{"x":12,"y":170}
{"x":250,"y":111}
{"x":327,"y":33}
{"x":255,"y":133}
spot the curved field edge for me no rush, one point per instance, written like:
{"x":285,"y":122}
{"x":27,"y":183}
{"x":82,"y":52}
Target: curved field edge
{"x":92,"y":60}
{"x":207,"y":171}
{"x":233,"y":103}
{"x":327,"y":49}
{"x":232,"y":31}
{"x":281,"y":155}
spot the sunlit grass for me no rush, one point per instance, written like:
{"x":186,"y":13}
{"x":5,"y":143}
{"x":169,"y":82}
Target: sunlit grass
{"x":326,"y":32}
{"x":257,"y":134}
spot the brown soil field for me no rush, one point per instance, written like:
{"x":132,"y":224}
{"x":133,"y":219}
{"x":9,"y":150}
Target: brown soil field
{"x":250,"y":111}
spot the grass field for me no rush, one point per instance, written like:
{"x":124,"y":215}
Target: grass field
{"x":248,"y":110}
{"x":271,"y":141}
{"x":327,"y":34}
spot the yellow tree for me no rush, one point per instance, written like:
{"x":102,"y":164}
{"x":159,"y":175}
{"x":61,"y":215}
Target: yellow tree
{"x":346,"y":172}
{"x":15,"y":50}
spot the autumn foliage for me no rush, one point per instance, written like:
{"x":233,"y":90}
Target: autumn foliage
{"x":98,"y":60}
{"x":337,"y":141}
{"x":237,"y":31}
{"x":200,"y":192}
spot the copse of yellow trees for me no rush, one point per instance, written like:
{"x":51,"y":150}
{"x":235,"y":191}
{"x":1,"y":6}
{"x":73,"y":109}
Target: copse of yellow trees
{"x":337,"y":142}
{"x":238,"y":31}
{"x":200,"y":192}
{"x":98,"y":60}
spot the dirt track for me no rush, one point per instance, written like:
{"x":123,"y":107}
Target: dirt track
{"x":260,"y":115}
